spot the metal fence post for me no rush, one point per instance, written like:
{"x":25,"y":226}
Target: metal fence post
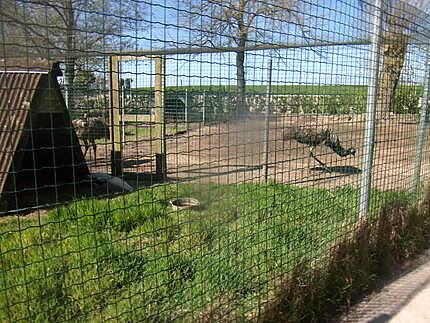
{"x":369,"y":131}
{"x":423,"y":124}
{"x":186,"y":105}
{"x":266,"y":121}
{"x":204,"y":108}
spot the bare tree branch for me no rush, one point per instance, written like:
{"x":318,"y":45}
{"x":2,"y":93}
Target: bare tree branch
{"x":219,"y":22}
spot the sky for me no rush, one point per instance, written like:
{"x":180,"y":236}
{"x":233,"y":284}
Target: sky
{"x":332,"y":21}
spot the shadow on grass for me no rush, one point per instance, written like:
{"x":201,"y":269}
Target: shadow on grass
{"x":47,"y":197}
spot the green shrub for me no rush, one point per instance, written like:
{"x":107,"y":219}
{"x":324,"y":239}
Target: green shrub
{"x":405,"y":101}
{"x":327,"y":104}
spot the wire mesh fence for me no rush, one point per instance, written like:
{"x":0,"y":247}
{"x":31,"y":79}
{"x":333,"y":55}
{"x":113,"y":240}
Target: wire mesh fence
{"x":173,"y":160}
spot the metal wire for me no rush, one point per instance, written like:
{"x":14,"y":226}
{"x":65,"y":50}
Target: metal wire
{"x":177,"y":160}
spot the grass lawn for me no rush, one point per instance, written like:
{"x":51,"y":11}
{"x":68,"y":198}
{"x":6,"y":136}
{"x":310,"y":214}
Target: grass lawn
{"x":134,"y":259}
{"x":304,"y":89}
{"x":276,"y":89}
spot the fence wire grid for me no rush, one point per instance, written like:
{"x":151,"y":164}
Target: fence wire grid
{"x":162,"y":160}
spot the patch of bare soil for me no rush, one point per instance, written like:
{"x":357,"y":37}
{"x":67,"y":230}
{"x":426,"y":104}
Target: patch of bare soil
{"x":233,"y":152}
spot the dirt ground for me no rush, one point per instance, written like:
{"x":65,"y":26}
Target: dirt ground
{"x":233,"y":152}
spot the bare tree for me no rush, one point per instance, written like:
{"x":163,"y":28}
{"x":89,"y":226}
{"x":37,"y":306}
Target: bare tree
{"x":66,"y":28}
{"x":218,"y":23}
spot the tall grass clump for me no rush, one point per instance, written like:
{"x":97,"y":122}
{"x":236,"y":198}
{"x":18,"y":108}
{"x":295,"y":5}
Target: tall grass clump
{"x":314,"y":291}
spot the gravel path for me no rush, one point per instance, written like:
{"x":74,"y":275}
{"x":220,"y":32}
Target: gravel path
{"x":406,"y":299}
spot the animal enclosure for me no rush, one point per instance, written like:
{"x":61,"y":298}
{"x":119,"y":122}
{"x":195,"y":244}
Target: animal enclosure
{"x":286,"y":123}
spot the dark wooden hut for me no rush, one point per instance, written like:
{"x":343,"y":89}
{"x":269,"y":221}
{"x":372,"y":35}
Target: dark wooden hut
{"x":39,"y":149}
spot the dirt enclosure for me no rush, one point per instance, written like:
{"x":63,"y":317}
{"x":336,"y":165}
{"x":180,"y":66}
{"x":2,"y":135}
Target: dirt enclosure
{"x":233,"y":152}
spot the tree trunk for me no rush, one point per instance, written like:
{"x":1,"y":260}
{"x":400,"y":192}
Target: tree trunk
{"x":240,"y":73}
{"x":393,"y":53}
{"x":241,"y":83}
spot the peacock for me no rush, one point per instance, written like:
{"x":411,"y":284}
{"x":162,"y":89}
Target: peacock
{"x":314,"y":137}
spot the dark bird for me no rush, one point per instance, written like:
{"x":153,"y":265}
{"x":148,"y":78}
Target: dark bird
{"x":313,"y":138}
{"x":89,"y":130}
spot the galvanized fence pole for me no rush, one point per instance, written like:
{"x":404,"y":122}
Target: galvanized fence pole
{"x":369,"y":131}
{"x":186,"y":106}
{"x":266,"y":121}
{"x":423,"y":124}
{"x":204,"y":108}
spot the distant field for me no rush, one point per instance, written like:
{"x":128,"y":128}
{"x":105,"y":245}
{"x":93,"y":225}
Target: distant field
{"x":276,"y":89}
{"x":281,"y":89}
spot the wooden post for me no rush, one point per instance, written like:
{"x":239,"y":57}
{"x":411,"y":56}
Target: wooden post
{"x":115,"y":117}
{"x":160,"y":131}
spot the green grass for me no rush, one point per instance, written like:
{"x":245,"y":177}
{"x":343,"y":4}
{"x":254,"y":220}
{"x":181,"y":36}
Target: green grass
{"x":134,"y":259}
{"x":278,"y":89}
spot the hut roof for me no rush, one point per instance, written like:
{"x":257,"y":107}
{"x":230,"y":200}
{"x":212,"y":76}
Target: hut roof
{"x":34,"y":65}
{"x":30,"y":104}
{"x":17,"y":90}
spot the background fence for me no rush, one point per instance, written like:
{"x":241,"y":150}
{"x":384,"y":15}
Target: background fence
{"x":174,"y":160}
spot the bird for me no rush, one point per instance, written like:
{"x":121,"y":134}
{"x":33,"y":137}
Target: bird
{"x":314,"y":137}
{"x":89,"y":130}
